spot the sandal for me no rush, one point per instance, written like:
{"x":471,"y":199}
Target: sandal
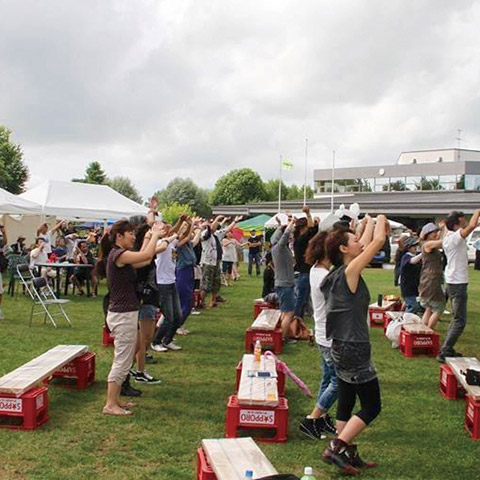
{"x":123,"y":413}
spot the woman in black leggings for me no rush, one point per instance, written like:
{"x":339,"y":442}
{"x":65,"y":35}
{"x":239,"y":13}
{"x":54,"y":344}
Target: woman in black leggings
{"x":347,"y":301}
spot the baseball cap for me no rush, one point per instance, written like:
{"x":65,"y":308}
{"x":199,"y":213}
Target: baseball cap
{"x":410,"y":242}
{"x":427,"y":229}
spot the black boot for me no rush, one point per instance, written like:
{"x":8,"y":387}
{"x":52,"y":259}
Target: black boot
{"x":336,"y":453}
{"x":356,"y":461}
{"x":127,"y":390}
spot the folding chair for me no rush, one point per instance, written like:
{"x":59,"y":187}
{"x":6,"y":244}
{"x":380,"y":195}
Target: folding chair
{"x":14,"y":261}
{"x":42,"y":296}
{"x":25,"y":275}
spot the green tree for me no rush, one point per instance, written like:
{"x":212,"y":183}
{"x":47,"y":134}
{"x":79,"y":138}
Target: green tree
{"x":13,"y":170}
{"x":238,"y":187}
{"x":428,"y":184}
{"x":171,"y":212}
{"x":125,"y":186}
{"x":271,"y":189}
{"x":396,"y":186}
{"x":185,"y":192}
{"x":93,"y":174}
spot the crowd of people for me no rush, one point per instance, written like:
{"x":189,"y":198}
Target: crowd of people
{"x":152,"y":269}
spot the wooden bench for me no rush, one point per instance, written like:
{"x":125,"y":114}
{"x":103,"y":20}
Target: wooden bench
{"x":260,"y":304}
{"x":23,"y":403}
{"x":265,"y":328}
{"x":416,"y":338}
{"x":255,"y":390}
{"x":457,"y":365}
{"x":229,"y":459}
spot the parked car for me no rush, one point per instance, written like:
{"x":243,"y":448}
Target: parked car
{"x":471,"y":239}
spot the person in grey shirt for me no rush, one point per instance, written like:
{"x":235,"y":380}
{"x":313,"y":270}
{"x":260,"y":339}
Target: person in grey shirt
{"x":284,"y":276}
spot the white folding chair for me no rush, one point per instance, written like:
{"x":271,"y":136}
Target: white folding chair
{"x":44,"y":299}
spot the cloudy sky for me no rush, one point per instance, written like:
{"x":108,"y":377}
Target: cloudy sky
{"x":157,"y":89}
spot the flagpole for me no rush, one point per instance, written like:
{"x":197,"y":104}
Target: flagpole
{"x":333,"y":179}
{"x":280,"y":186}
{"x":305,"y":181}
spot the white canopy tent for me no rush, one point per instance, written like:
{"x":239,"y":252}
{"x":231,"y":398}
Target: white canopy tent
{"x":272,"y":223}
{"x":82,"y":201}
{"x":14,"y":205}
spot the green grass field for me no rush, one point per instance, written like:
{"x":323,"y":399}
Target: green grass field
{"x":418,"y":435}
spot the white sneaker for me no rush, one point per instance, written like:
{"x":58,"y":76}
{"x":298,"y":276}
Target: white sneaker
{"x":172,"y":346}
{"x":158,"y":348}
{"x":2,"y":316}
{"x":182,"y":331}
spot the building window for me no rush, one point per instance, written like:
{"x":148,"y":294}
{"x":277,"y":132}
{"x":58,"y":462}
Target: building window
{"x":414,"y":160}
{"x":472,"y":182}
{"x":440,"y":159}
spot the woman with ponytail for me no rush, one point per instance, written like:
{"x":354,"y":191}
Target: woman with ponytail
{"x":117,"y":262}
{"x":347,"y":301}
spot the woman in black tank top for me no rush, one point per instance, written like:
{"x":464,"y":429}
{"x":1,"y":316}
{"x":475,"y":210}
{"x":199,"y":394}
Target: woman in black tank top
{"x":347,"y":300}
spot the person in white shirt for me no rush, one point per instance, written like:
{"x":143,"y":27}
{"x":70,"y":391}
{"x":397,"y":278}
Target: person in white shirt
{"x":318,"y":423}
{"x":46,"y":234}
{"x":456,"y":277}
{"x":39,"y":256}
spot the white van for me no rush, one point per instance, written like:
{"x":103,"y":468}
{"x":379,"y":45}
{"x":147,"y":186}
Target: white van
{"x":471,"y":239}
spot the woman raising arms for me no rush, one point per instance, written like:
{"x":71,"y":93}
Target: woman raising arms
{"x":347,"y":301}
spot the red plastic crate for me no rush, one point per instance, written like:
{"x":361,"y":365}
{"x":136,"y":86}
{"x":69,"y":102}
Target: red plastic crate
{"x":449,"y":386}
{"x":472,"y":417}
{"x":107,"y":338}
{"x":204,"y":470}
{"x":27,"y":412}
{"x":80,"y":369}
{"x":376,"y":317}
{"x":270,"y":339}
{"x":259,"y":305}
{"x":413,"y":344}
{"x":280,"y":380}
{"x":258,"y":417}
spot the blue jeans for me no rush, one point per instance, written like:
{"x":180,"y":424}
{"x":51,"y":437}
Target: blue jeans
{"x":254,"y":257}
{"x":185,"y":287}
{"x":172,"y":313}
{"x":328,"y":392}
{"x":302,"y":294}
{"x":412,"y":305}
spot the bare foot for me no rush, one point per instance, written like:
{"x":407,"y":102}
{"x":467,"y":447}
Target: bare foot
{"x":117,"y":410}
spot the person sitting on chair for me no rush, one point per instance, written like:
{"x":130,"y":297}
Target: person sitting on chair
{"x":82,"y":256}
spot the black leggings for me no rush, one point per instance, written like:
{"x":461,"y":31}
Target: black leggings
{"x":369,"y":395}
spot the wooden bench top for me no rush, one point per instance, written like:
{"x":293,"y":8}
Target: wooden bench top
{"x":266,"y":320}
{"x":258,"y":390}
{"x":25,"y":377}
{"x":386,"y":305}
{"x":460,"y":364}
{"x":417,"y":328}
{"x":231,"y":457}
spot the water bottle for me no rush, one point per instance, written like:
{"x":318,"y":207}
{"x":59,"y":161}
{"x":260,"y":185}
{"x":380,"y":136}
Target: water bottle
{"x":257,"y":351}
{"x":380,"y":300}
{"x":248,"y":474}
{"x":308,"y":474}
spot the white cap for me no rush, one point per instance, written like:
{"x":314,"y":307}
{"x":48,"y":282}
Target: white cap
{"x":308,"y":471}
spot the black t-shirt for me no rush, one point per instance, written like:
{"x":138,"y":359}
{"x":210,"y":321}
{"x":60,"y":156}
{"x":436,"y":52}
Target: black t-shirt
{"x":268,"y":281}
{"x":255,"y":239}
{"x":299,"y":248}
{"x":409,"y":276}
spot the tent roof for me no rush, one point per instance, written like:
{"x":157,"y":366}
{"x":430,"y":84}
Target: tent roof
{"x":14,"y":205}
{"x":82,"y":201}
{"x":257,"y":222}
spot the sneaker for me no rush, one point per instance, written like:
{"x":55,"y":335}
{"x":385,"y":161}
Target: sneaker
{"x":128,"y":391}
{"x":290,"y":341}
{"x":455,"y":354}
{"x":327,"y":424}
{"x":172,"y":346}
{"x":158,"y":348}
{"x":195,"y":312}
{"x":132,"y":372}
{"x":150,"y":359}
{"x":220,"y":299}
{"x":145,"y":377}
{"x":182,"y":331}
{"x":336,"y":454}
{"x":356,"y":461}
{"x":311,"y":428}
{"x":441,"y":358}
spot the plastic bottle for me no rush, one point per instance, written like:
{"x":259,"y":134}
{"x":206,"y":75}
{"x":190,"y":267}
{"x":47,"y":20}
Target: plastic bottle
{"x":248,"y":474}
{"x":308,"y":474}
{"x":257,"y":351}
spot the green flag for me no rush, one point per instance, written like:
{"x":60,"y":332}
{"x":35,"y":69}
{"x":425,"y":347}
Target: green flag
{"x":287,"y":164}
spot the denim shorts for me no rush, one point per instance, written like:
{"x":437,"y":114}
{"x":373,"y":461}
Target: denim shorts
{"x":147,"y":312}
{"x":286,"y":298}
